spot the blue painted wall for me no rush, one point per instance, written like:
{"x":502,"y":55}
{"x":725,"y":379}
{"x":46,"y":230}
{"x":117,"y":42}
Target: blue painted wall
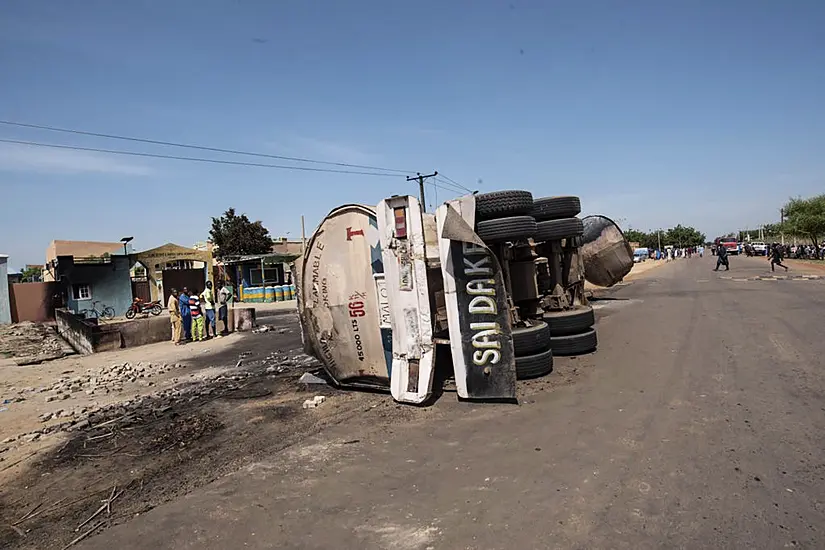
{"x":5,"y":307}
{"x":110,"y":283}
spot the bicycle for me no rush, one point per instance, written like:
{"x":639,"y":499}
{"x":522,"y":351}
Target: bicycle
{"x":106,"y":312}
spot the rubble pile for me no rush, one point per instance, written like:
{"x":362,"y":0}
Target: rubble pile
{"x":30,"y":339}
{"x":148,"y":406}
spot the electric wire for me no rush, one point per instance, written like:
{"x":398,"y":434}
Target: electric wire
{"x":194,"y":159}
{"x":198,"y":147}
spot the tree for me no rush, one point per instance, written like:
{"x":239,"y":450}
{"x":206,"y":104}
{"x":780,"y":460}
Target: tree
{"x":806,"y":218}
{"x":32,"y":274}
{"x":235,"y":235}
{"x":635,"y":236}
{"x":683,"y":236}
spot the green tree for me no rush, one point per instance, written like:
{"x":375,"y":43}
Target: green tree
{"x":32,"y":274}
{"x":806,"y":218}
{"x":235,"y":235}
{"x":683,"y":236}
{"x":635,"y":236}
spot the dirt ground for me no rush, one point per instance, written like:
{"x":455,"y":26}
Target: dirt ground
{"x":147,"y":425}
{"x":30,"y":340}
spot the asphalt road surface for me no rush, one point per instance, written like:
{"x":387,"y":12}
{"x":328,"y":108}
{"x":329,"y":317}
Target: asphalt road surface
{"x":698,"y":424}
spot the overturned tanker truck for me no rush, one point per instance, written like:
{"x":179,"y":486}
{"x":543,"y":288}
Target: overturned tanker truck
{"x":486,"y":291}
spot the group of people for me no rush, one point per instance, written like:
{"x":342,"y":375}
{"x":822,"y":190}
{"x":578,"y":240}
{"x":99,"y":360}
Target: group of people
{"x":193,"y":313}
{"x":672,"y":253}
{"x":775,"y":254}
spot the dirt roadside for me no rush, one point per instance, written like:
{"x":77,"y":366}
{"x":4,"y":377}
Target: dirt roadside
{"x":194,"y":416}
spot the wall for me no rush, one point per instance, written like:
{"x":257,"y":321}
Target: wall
{"x":33,"y":301}
{"x":86,"y":336}
{"x":110,"y":283}
{"x":139,"y":332}
{"x":5,"y":306}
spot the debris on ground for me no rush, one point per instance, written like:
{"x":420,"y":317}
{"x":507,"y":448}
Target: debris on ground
{"x":314,"y":402}
{"x":31,"y":343}
{"x":310,"y":379}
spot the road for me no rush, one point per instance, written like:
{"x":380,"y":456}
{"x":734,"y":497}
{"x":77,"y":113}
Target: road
{"x":698,"y":424}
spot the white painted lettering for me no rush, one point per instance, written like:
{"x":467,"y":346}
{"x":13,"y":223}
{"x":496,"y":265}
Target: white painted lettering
{"x":485,"y":338}
{"x":476,"y":287}
{"x":483,"y":305}
{"x":486,"y":356}
{"x":471,"y":249}
{"x":478,"y":268}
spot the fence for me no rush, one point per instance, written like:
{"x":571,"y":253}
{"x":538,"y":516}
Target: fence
{"x":33,"y":301}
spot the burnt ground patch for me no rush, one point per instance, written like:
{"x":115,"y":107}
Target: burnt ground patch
{"x":148,"y":450}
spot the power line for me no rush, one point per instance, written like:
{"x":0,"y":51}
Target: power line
{"x":199,"y":147}
{"x":456,"y":183}
{"x":193,"y":159}
{"x":450,"y":186}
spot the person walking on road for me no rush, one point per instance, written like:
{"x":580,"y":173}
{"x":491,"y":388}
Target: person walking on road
{"x":722,"y":258}
{"x":197,"y":317}
{"x":174,"y":315}
{"x":186,"y":316}
{"x":224,"y":295}
{"x":776,"y":257}
{"x":208,"y":303}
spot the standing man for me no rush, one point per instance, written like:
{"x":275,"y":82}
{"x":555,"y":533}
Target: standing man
{"x":197,"y":317}
{"x":175,"y":316}
{"x":776,"y":257}
{"x":722,"y":258}
{"x":208,"y":303}
{"x":186,"y":315}
{"x":223,"y":310}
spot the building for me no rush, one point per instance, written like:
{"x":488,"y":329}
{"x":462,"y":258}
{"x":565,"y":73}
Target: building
{"x":173,"y":266}
{"x":78,"y":249}
{"x":90,"y":274}
{"x":5,"y":306}
{"x":258,"y":277}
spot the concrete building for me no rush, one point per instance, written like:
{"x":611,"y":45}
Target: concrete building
{"x":5,"y":307}
{"x":79,"y":249}
{"x":86,"y":280}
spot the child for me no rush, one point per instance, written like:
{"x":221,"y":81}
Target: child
{"x":197,"y":317}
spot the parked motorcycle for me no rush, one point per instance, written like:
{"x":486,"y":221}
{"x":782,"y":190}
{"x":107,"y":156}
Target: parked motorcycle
{"x":139,"y":306}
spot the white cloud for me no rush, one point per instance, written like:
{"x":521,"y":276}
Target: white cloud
{"x":27,"y":158}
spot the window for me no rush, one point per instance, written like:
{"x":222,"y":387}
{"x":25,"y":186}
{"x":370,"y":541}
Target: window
{"x":81,"y":292}
{"x":271,"y":276}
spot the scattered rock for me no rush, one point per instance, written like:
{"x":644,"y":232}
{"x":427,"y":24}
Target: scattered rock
{"x":314,"y":402}
{"x":310,"y":379}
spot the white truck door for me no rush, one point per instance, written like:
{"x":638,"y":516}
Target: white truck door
{"x":405,"y":278}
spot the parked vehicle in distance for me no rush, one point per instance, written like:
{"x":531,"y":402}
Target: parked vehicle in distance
{"x":139,"y":306}
{"x":759,"y":248}
{"x":640,"y":255}
{"x":730,"y":243}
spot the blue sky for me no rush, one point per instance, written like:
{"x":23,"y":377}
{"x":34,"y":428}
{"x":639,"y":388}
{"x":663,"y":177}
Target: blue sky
{"x":701,"y":112}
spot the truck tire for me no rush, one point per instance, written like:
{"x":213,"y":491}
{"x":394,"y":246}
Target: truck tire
{"x":572,"y":321}
{"x":502,"y":204}
{"x":506,"y":229}
{"x":531,"y":340}
{"x":554,"y":208}
{"x":555,"y":230}
{"x":574,"y":344}
{"x":533,"y":366}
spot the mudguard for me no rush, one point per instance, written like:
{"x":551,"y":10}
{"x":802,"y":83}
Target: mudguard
{"x":478,"y":313}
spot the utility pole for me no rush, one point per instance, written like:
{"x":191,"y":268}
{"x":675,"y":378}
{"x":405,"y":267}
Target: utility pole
{"x":781,"y":224}
{"x":420,"y":179}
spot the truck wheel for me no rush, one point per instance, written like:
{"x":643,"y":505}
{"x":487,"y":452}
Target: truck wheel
{"x":554,"y":230}
{"x":500,"y":204}
{"x":572,"y":321}
{"x":506,"y":229}
{"x":574,"y":344}
{"x":554,"y":208}
{"x":533,"y":366}
{"x":530,"y":340}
